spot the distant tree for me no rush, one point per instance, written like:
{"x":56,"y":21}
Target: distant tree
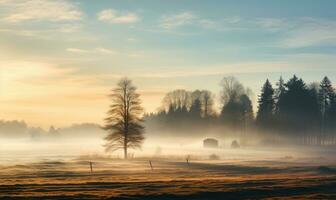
{"x":279,"y":91}
{"x":326,"y":94}
{"x":202,"y":102}
{"x":326,"y":101}
{"x":315,"y":86}
{"x":237,"y":106}
{"x":279,"y":117}
{"x":266,"y":106}
{"x":36,"y":133}
{"x":246,"y":108}
{"x":297,"y":106}
{"x":196,"y":94}
{"x":195,"y":110}
{"x":13,"y":128}
{"x":332,"y":118}
{"x":246,"y":116}
{"x":177,"y":100}
{"x":313,"y":114}
{"x":232,"y":89}
{"x":231,"y":114}
{"x":53,"y":132}
{"x":237,"y":113}
{"x":182,"y":109}
{"x":207,"y":103}
{"x":124,"y":118}
{"x":280,"y":88}
{"x":176,"y":104}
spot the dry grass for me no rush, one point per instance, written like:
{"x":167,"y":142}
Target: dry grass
{"x":170,"y":179}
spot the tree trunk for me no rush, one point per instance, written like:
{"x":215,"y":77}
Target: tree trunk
{"x":206,"y":109}
{"x":125,"y":148}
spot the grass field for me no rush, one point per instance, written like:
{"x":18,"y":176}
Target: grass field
{"x":171,"y":178}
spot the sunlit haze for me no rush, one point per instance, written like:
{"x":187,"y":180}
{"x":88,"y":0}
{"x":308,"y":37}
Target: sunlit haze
{"x":167,"y":99}
{"x":59,"y":59}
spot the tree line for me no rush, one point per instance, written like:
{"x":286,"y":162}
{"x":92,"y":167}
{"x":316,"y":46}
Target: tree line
{"x":184,"y":108}
{"x":302,"y":113}
{"x":306,"y":113}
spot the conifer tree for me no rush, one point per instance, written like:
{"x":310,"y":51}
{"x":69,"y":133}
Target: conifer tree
{"x":266,"y":106}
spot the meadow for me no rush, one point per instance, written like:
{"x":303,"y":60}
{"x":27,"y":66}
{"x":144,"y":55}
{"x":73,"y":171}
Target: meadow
{"x":235,"y":174}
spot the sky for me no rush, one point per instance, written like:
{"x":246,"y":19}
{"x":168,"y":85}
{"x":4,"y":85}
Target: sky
{"x":60,"y":59}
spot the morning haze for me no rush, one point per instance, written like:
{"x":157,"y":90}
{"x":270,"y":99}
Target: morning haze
{"x":179,"y":99}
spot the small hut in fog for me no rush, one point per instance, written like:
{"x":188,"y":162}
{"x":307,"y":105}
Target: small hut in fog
{"x":210,"y":143}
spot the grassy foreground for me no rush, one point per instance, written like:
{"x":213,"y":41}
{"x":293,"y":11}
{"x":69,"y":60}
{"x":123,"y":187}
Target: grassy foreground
{"x":169,"y":179}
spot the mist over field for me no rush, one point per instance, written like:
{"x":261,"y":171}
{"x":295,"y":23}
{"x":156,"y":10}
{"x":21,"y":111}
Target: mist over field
{"x":57,"y":167}
{"x":167,"y":99}
{"x":23,"y":144}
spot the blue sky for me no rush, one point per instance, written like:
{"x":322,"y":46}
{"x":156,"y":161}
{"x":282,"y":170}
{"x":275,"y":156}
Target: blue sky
{"x":63,"y":56}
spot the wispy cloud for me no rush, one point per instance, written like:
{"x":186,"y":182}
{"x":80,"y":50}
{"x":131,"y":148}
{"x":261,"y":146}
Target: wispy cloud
{"x":176,"y":20}
{"x":77,"y":50}
{"x":272,"y":24}
{"x":186,"y":18}
{"x":39,"y":10}
{"x":98,"y":50}
{"x":288,"y":63}
{"x":108,"y":52}
{"x":214,"y":70}
{"x":300,"y":32}
{"x":104,"y":51}
{"x":116,"y":17}
{"x":310,"y":32}
{"x":43,"y":33}
{"x":289,"y":32}
{"x":131,"y":39}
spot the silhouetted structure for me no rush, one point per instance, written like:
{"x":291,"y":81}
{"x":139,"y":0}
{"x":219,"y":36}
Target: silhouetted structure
{"x":235,"y":144}
{"x":210,"y":143}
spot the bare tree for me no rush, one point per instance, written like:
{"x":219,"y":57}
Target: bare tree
{"x":232,"y":89}
{"x":196,"y":95}
{"x":124,"y":118}
{"x":207,"y":102}
{"x":177,"y":99}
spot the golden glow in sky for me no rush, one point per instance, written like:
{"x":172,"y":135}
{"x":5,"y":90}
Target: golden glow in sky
{"x":59,"y":59}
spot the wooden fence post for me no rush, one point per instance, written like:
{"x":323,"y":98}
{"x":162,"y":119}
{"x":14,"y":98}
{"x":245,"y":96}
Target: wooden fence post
{"x":150,"y":164}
